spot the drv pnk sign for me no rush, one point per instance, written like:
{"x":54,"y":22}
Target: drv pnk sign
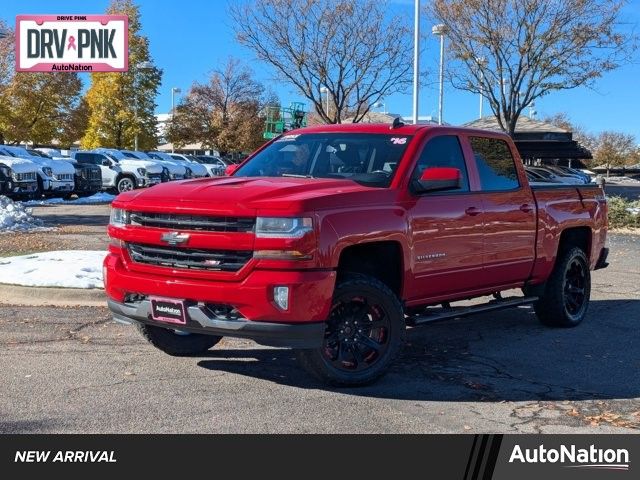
{"x":72,"y":43}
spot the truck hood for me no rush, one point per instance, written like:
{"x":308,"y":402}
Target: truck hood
{"x":56,"y":166}
{"x":225,"y":193}
{"x":19,"y":165}
{"x":130,"y":163}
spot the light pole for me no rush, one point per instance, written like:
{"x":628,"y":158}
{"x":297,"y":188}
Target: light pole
{"x":482,"y":63}
{"x":140,"y":66}
{"x":440,"y":30}
{"x":379,"y":104}
{"x":325,"y":90}
{"x":416,"y":59}
{"x":174,"y":90}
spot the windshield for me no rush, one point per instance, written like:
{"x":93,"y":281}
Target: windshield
{"x":369,"y":159}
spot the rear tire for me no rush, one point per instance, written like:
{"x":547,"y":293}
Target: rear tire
{"x":565,"y":299}
{"x":365,"y":333}
{"x":177,"y":344}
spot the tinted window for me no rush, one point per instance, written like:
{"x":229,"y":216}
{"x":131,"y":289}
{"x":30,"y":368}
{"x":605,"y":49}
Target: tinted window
{"x":443,"y":151}
{"x":495,"y":163}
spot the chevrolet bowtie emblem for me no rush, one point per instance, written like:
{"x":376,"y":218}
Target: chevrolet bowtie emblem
{"x":175,"y":238}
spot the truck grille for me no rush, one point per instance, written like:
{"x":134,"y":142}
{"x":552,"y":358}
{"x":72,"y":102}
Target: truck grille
{"x":193,"y":222}
{"x":91,"y":174}
{"x":26,"y":177}
{"x":188,"y":258}
{"x":64,"y":177}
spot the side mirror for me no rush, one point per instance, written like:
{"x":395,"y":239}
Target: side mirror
{"x":106,"y":163}
{"x":231,"y":169}
{"x":439,"y":178}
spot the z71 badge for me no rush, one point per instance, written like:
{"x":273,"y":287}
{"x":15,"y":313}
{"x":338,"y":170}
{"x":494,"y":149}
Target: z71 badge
{"x":72,"y":43}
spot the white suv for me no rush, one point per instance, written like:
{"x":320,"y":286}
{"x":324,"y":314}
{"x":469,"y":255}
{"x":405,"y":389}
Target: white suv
{"x":174,"y":170}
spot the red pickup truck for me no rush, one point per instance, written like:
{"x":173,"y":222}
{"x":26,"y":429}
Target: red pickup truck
{"x":333,"y":239}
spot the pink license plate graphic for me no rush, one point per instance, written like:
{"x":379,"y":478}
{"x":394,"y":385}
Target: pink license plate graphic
{"x":72,"y":43}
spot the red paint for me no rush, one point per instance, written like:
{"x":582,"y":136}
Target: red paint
{"x":453,"y":245}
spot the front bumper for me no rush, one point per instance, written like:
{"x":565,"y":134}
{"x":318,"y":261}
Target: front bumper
{"x":251,"y":296}
{"x":23,"y":188}
{"x":58,"y":186}
{"x":201,"y":320}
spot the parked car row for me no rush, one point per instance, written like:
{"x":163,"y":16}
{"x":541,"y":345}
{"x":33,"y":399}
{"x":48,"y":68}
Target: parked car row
{"x":557,"y":174}
{"x":27,"y":173}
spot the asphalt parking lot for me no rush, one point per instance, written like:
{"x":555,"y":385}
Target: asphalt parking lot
{"x":75,"y":370}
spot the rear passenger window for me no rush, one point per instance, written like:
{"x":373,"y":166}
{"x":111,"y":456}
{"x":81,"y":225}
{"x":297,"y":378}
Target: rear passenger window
{"x":443,"y":151}
{"x":495,"y":163}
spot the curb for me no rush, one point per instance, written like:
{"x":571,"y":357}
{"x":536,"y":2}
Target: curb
{"x":49,"y":296}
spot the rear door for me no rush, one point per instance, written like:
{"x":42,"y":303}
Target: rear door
{"x":445,"y":227}
{"x":509,"y":212}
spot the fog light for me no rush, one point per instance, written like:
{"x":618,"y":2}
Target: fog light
{"x":281,"y":297}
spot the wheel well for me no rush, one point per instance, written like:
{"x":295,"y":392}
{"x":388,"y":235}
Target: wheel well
{"x":576,"y":237}
{"x":381,"y":260}
{"x":127,"y":175}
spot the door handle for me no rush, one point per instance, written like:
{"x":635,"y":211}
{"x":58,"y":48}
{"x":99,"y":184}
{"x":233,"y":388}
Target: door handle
{"x":473,"y":211}
{"x":526,"y":208}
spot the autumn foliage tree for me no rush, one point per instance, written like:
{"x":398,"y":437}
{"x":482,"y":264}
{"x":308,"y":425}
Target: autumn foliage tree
{"x":353,"y":48}
{"x":38,"y":107}
{"x":222,"y":114}
{"x":616,"y":149}
{"x":122,"y":105}
{"x":515,"y":51}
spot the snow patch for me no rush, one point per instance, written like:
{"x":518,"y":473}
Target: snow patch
{"x":100,"y":197}
{"x":66,"y":269}
{"x":14,"y":217}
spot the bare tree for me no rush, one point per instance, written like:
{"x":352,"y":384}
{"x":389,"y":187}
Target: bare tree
{"x":514,"y":51}
{"x":224,"y":113}
{"x":350,"y":47}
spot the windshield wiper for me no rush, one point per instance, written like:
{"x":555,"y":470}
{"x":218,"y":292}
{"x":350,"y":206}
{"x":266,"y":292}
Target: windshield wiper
{"x":295,"y":175}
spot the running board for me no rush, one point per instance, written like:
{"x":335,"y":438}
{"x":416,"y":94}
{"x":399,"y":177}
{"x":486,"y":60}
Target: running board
{"x":455,"y":312}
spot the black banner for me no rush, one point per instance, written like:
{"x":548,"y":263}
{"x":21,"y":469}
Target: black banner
{"x":466,"y":457}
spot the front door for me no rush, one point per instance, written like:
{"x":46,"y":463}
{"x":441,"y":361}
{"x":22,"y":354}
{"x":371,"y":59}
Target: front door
{"x":446,"y":228}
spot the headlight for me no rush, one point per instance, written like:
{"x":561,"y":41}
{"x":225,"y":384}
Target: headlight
{"x":47,"y":171}
{"x":276,"y":227}
{"x":142,"y":172}
{"x":119,"y":217}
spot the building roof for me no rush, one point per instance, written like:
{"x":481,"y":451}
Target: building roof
{"x":525,"y":124}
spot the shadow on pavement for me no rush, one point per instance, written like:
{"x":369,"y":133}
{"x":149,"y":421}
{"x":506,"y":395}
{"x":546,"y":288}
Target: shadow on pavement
{"x":506,"y":355}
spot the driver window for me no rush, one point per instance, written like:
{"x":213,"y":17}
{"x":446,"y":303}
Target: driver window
{"x":443,"y":151}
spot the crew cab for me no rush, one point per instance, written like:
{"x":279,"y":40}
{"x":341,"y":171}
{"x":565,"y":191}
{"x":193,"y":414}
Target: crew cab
{"x":135,"y":173}
{"x":334,"y":239}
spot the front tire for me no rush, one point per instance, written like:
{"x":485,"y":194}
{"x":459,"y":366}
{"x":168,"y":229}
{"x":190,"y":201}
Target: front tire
{"x":565,"y":298}
{"x":365,"y":333}
{"x":177,"y":344}
{"x":126,"y":184}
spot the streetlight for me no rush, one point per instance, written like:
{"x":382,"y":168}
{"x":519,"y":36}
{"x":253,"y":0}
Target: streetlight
{"x":379,"y":104}
{"x":325,"y":90}
{"x":145,"y":65}
{"x":416,"y":59}
{"x":174,"y":90}
{"x":440,"y":30}
{"x":482,"y":63}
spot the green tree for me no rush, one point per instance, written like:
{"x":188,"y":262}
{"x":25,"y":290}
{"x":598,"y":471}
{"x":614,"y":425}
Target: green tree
{"x":223,"y":114}
{"x":616,"y":149}
{"x":122,"y":104}
{"x":37,"y":107}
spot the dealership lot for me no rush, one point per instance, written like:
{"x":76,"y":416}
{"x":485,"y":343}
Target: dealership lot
{"x":74,"y":370}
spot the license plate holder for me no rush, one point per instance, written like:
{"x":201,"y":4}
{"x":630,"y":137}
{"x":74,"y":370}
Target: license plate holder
{"x":168,"y":310}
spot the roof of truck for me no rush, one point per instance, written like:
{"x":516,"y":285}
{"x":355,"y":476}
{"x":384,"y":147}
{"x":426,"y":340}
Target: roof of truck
{"x":386,"y":128}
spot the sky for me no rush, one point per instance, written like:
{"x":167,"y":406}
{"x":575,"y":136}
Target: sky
{"x":190,"y":38}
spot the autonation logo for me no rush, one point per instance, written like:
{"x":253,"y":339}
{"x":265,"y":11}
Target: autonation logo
{"x":573,"y":457}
